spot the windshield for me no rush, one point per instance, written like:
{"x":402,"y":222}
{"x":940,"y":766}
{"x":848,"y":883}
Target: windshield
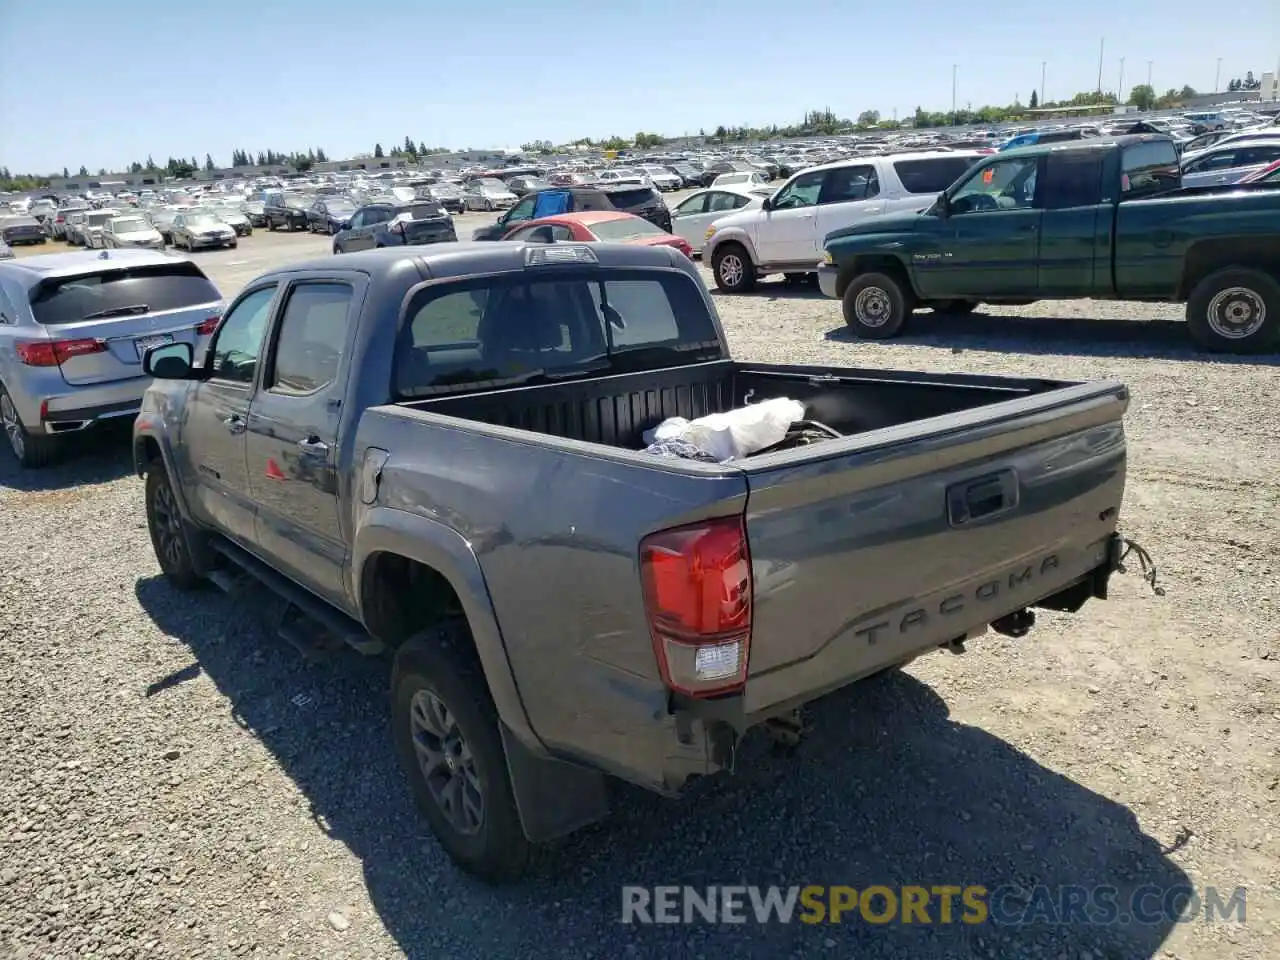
{"x":297,"y":203}
{"x":98,"y":219}
{"x":340,"y":206}
{"x":624,"y":228}
{"x":129,"y":226}
{"x":500,"y":331}
{"x":203,"y":222}
{"x":166,"y":286}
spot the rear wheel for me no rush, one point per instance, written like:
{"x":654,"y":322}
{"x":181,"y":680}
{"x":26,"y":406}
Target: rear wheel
{"x":732,"y":267}
{"x":1235,"y":310}
{"x":446,"y":731}
{"x":876,"y":306}
{"x":32,"y":451}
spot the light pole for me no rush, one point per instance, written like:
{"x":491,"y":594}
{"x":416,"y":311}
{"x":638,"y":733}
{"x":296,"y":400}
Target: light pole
{"x":954,"y":68}
{"x":1043,"y":65}
{"x":1149,"y":62}
{"x":1217,"y":75}
{"x":1102,"y":45}
{"x":1120,"y":86}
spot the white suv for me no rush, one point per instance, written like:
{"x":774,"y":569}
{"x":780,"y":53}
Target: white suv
{"x":786,"y":234}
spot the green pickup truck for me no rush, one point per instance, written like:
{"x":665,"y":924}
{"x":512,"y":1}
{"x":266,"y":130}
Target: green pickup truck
{"x":1102,"y":219}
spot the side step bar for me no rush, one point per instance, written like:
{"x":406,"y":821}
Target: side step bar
{"x":342,"y":628}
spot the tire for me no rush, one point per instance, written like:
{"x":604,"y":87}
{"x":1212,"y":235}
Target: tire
{"x":876,"y":307}
{"x":732,"y":267}
{"x":336,"y":250}
{"x":170,"y":534}
{"x":1235,"y":310}
{"x":233,"y":244}
{"x":271,"y":224}
{"x":954,"y":308}
{"x":30,"y":450}
{"x":437,"y":688}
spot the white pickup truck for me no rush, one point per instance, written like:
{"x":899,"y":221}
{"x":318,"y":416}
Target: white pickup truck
{"x":785,"y":235}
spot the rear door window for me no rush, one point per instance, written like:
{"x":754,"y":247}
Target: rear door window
{"x":312,"y":337}
{"x":846,"y":184}
{"x":1073,"y":179}
{"x":159,"y":287}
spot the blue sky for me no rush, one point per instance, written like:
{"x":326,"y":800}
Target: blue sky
{"x":106,"y":83}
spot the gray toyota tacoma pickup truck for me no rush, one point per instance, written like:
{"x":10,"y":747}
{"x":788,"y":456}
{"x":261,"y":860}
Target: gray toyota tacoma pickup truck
{"x":437,"y":453}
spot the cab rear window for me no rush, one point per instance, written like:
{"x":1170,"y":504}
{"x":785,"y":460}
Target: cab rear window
{"x":158,"y":287}
{"x":499,"y":332}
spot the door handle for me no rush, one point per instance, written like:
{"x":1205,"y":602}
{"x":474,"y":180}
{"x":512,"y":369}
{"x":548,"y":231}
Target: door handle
{"x":1029,"y":228}
{"x":234,"y":423}
{"x":314,"y":447}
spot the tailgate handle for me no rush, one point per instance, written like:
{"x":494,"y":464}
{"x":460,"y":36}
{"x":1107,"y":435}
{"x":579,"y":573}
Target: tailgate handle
{"x":985,"y":497}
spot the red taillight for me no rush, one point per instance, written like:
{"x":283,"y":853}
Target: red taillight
{"x":59,"y":219}
{"x":697,"y":593}
{"x":52,"y":353}
{"x":206,"y":328}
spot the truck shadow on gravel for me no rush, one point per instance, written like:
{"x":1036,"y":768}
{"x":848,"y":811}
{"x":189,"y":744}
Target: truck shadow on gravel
{"x":1058,"y":336}
{"x":888,"y":790}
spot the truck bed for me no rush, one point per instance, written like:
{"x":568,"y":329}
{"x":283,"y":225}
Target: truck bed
{"x":952,"y":501}
{"x":615,"y":411}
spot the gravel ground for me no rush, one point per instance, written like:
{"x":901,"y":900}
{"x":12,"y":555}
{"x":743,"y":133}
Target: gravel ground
{"x":176,"y":782}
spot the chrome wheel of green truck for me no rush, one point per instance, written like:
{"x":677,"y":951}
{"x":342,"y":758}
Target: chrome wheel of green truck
{"x":1235,"y":310}
{"x":876,"y":306}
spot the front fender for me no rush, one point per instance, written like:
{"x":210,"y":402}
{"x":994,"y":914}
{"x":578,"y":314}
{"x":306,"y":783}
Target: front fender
{"x":150,"y":426}
{"x":431,"y":543}
{"x":737,"y":235}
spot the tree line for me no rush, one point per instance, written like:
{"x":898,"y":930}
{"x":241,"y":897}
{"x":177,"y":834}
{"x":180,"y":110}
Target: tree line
{"x":814,"y":123}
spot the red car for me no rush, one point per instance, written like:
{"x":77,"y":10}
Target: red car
{"x":1268,"y":174}
{"x":613,"y":226}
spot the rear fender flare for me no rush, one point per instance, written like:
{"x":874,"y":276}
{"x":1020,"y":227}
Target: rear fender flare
{"x":431,"y":543}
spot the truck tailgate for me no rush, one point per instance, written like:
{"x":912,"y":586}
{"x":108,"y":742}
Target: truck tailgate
{"x":870,"y":549}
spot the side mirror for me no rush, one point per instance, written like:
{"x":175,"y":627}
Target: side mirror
{"x":944,"y":205}
{"x":169,"y":361}
{"x":767,"y":204}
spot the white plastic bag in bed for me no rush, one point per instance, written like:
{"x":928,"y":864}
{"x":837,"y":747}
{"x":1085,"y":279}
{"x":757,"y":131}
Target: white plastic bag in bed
{"x":735,"y":434}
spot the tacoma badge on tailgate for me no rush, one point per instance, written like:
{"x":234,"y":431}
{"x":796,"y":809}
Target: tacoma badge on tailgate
{"x":957,"y":603}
